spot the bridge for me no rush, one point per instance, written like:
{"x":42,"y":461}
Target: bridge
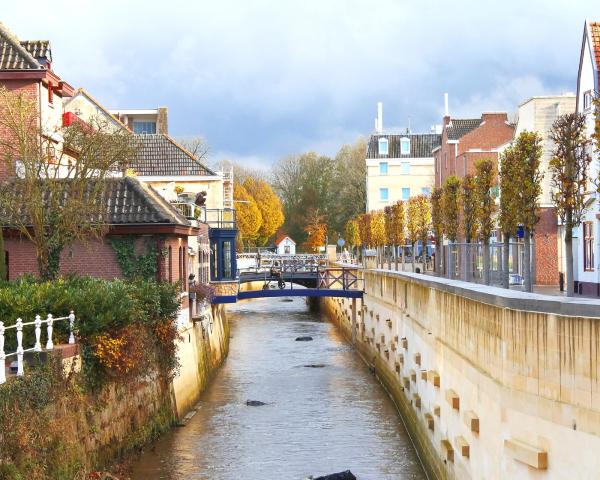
{"x":270,"y":275}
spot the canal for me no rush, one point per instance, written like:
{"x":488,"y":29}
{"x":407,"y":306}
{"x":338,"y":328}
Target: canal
{"x":325,"y":412}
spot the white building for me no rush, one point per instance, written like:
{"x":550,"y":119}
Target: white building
{"x":399,"y":166}
{"x":285,"y":245}
{"x":586,"y":249}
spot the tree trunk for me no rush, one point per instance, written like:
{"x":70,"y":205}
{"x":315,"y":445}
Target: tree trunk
{"x":569,"y":255}
{"x":527,"y":260}
{"x":396,"y":257}
{"x":48,"y":260}
{"x":438,"y":258}
{"x":505,"y":253}
{"x":467,"y":260}
{"x":486,"y":262}
{"x":413,"y":257}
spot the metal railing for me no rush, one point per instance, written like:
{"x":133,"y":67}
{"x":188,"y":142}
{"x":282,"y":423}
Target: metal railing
{"x":249,"y":262}
{"x":218,"y":217}
{"x":189,"y":210}
{"x":37,"y":347}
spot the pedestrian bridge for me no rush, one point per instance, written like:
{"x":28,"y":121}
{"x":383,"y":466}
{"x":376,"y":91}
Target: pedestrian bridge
{"x":304,"y":275}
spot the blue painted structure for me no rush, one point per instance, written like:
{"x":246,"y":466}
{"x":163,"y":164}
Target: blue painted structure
{"x":223,"y":259}
{"x":300,"y":292}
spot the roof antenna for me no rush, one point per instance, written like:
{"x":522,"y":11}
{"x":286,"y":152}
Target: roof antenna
{"x":408,"y":129}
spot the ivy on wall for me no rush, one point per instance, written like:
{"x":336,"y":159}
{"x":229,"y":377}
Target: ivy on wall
{"x":136,"y":266}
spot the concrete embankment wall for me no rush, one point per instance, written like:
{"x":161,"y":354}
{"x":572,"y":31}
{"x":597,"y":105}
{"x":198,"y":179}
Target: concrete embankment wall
{"x":491,"y":384}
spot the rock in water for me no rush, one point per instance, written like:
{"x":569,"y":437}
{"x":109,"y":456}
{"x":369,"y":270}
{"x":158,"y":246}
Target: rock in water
{"x":304,"y":339}
{"x":255,"y":403}
{"x":347,"y":475}
{"x":315,"y":365}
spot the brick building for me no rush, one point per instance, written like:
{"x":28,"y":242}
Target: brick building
{"x":464,"y":141}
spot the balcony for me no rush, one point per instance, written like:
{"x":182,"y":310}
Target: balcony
{"x":213,"y":217}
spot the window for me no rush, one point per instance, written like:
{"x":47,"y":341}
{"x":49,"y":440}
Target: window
{"x":405,"y":168}
{"x":405,"y":146}
{"x":227,"y":260}
{"x":405,"y":193}
{"x":384,"y":194}
{"x":587,"y":100}
{"x":426,"y":191}
{"x":588,"y":246}
{"x":286,"y":250}
{"x":144,"y":127}
{"x":383,"y":146}
{"x":383,"y":168}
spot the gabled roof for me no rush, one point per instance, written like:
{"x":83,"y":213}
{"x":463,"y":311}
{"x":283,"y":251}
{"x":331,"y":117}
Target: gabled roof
{"x":160,"y":155}
{"x":14,"y":55}
{"x":421,"y":145}
{"x":459,"y":127}
{"x":128,"y":202}
{"x":281,"y":238}
{"x":84,"y":93}
{"x":39,"y":49}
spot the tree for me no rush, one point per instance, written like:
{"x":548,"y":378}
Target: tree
{"x":248,"y":216}
{"x":528,"y":186}
{"x":399,"y":212}
{"x":412,"y":225}
{"x":269,"y":205}
{"x":352,"y":234}
{"x":197,"y":146}
{"x":423,"y":223}
{"x":57,"y":192}
{"x":377,"y":225}
{"x":316,"y":231}
{"x":509,"y":215}
{"x":569,"y":178}
{"x":450,"y":209}
{"x":437,"y":225}
{"x":485,"y":177}
{"x":468,"y":219}
{"x":3,"y":269}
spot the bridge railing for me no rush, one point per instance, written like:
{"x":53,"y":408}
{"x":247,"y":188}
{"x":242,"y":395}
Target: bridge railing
{"x":251,"y":262}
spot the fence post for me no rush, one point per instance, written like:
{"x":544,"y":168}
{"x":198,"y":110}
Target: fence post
{"x":49,"y":344}
{"x":38,"y":333}
{"x":71,"y":323}
{"x":2,"y":355}
{"x":19,"y":347}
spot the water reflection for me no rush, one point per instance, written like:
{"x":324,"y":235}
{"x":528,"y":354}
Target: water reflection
{"x":316,"y":421}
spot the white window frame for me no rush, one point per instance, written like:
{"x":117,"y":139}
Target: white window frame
{"x":402,"y":192}
{"x":404,"y":141}
{"x":383,"y":144}
{"x":587,"y":100}
{"x":387,"y":194}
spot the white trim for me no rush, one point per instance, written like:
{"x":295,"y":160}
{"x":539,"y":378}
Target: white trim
{"x":134,"y":112}
{"x":180,"y":178}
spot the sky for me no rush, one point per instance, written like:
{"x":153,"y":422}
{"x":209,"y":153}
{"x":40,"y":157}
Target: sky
{"x":259,"y":80}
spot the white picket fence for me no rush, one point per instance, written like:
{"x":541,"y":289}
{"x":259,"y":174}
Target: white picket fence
{"x":37,"y":347}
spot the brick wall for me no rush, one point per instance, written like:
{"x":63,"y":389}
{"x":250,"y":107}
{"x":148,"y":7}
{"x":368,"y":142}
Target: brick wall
{"x":546,"y":248}
{"x":96,"y":258}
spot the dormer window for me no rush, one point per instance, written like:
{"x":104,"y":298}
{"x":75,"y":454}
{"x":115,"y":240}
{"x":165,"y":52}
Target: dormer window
{"x":383,"y":146}
{"x":405,"y":146}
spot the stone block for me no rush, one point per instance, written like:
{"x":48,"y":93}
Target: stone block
{"x":471,"y":420}
{"x":417,"y":400}
{"x":436,"y":410}
{"x":413,"y":376}
{"x":424,"y":375}
{"x":462,"y":446}
{"x":453,"y":399}
{"x":429,"y":421}
{"x":397,"y":365}
{"x":447,"y":450}
{"x":418,"y":359}
{"x":401,"y":358}
{"x":434,"y":378}
{"x":404,"y":343}
{"x":528,"y":454}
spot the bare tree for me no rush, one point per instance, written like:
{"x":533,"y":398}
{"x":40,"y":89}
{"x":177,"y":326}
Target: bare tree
{"x":55,"y":193}
{"x":197,"y":146}
{"x":569,"y":177}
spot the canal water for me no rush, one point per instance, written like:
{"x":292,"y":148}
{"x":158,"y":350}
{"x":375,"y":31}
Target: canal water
{"x":316,"y":420}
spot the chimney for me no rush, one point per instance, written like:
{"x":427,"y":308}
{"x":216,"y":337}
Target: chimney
{"x":494,"y":117}
{"x":379,"y":128}
{"x":162,"y":123}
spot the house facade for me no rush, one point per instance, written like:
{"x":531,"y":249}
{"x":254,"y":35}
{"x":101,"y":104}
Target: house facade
{"x":399,"y":166}
{"x":586,"y":244}
{"x":144,"y":121}
{"x":466,"y":140}
{"x":285,"y":245}
{"x":537,"y":114}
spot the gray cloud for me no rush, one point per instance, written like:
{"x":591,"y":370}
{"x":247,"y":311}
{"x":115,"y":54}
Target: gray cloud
{"x":262,"y":79}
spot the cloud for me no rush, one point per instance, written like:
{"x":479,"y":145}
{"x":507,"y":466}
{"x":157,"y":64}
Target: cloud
{"x":263,"y":79}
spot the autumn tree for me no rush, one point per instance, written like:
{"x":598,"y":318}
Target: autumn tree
{"x":316,"y":231}
{"x":378,"y":232}
{"x":485,"y":178}
{"x":390,"y":229}
{"x":352,"y":234}
{"x":364,"y":229}
{"x":399,"y":214}
{"x":412,"y":225}
{"x":270,"y":207}
{"x":437,"y":225}
{"x":248,"y":216}
{"x":569,"y":178}
{"x":56,"y":195}
{"x":468,"y":219}
{"x":423,"y":223}
{"x":509,"y":215}
{"x":528,"y":184}
{"x":451,"y":205}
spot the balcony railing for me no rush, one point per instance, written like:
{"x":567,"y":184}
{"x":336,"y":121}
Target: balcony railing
{"x":218,"y":217}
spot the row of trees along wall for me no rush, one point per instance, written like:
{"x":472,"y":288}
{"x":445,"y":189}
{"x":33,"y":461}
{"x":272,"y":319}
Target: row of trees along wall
{"x":467,"y":208}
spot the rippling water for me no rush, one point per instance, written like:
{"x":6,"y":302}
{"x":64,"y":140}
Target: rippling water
{"x":316,"y":421}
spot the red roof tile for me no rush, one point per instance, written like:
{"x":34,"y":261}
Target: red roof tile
{"x":595,"y":32}
{"x":281,"y":238}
